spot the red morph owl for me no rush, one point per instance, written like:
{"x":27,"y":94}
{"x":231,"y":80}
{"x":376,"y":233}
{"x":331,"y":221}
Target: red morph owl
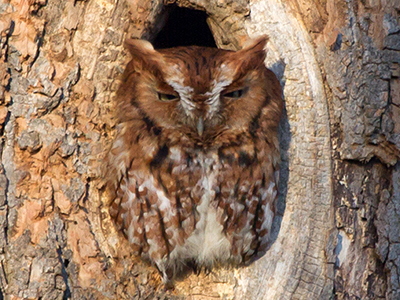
{"x":193,"y":171}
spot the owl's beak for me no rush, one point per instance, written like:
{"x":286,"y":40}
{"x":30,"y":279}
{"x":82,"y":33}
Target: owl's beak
{"x":200,"y":126}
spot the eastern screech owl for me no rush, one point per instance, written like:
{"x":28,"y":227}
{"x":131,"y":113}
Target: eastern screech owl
{"x":193,"y":172}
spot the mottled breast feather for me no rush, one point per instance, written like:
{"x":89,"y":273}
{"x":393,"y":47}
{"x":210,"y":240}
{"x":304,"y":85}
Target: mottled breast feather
{"x":193,"y":171}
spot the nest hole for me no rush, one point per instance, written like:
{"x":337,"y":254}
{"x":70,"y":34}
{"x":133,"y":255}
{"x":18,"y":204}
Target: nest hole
{"x":184,"y":27}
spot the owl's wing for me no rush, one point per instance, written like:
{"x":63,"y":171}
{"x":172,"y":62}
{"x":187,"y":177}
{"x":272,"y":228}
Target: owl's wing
{"x":247,"y":192}
{"x":155,"y":206}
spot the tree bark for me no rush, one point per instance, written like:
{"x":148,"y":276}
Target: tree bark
{"x":338,"y":231}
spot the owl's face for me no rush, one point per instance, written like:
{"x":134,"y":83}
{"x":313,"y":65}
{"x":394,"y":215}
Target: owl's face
{"x":199,"y":92}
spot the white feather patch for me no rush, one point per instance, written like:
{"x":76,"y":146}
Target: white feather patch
{"x":207,"y":244}
{"x":185,"y":94}
{"x":214,"y":96}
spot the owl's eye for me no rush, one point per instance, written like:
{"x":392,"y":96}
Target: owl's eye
{"x":167,"y":97}
{"x":235,"y":94}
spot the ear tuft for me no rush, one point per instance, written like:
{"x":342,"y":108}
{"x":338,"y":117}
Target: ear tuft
{"x":139,"y":47}
{"x":257,"y":44}
{"x":144,"y":56}
{"x":253,"y":50}
{"x":250,"y":57}
{"x":253,"y":53}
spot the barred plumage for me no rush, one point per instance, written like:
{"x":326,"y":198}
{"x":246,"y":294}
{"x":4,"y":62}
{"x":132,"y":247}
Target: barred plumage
{"x":193,"y":171}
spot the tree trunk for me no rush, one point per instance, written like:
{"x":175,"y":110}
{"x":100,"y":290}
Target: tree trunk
{"x":338,"y":234}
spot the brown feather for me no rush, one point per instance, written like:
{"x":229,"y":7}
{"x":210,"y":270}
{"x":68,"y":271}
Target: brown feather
{"x":183,"y":196}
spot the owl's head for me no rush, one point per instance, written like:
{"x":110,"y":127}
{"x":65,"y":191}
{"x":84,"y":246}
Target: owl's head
{"x":199,"y":92}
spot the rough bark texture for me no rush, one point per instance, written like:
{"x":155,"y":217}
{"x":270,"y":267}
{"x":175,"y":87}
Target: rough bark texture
{"x":338,"y":236}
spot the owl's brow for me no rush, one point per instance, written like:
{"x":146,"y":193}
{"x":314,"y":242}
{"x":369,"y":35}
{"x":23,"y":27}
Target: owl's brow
{"x":235,"y":85}
{"x":165,"y":87}
{"x":185,"y":94}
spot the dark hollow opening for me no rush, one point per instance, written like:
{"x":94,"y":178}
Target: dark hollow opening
{"x":184,"y":27}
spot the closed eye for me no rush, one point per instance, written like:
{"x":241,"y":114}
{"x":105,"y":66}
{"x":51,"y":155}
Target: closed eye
{"x":235,"y":94}
{"x":167,"y":97}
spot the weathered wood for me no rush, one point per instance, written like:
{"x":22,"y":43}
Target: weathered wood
{"x":338,"y":236}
